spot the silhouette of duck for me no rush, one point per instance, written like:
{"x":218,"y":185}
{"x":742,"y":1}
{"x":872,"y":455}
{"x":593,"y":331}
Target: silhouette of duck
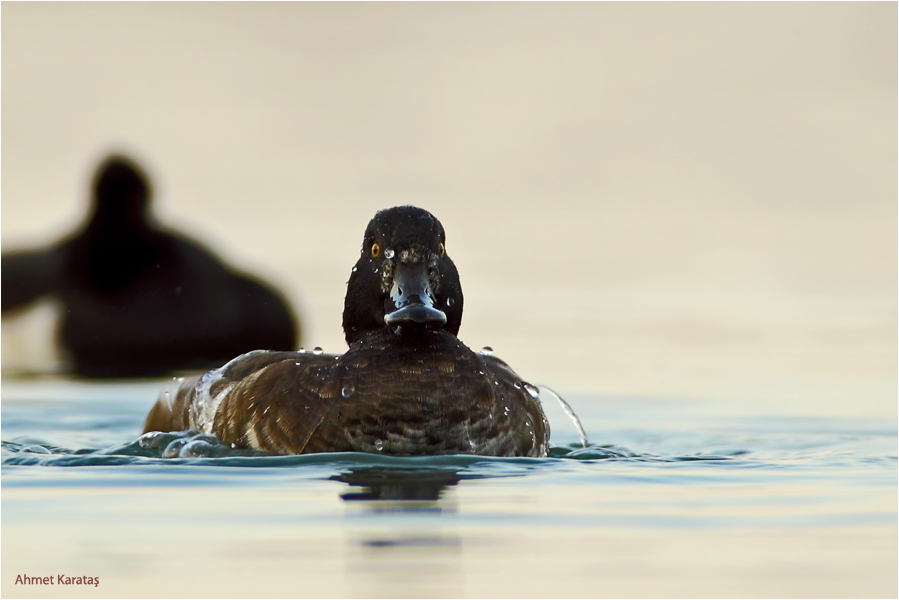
{"x":406,"y":386}
{"x":141,"y":300}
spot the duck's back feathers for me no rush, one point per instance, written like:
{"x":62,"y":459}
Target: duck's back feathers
{"x":386,"y":395}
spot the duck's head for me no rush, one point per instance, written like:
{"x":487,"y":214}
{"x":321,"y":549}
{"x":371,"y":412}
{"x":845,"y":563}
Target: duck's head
{"x":404,"y":279}
{"x":121,"y":193}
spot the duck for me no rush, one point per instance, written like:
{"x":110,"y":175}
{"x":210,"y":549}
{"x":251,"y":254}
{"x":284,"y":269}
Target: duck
{"x":142,"y":300}
{"x":406,"y":386}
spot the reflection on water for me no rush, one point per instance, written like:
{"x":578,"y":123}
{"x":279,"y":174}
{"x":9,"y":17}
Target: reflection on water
{"x":708,"y":505}
{"x":398,"y":487}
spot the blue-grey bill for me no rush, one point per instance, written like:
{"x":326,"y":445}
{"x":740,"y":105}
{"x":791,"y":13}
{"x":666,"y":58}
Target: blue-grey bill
{"x":416,"y":313}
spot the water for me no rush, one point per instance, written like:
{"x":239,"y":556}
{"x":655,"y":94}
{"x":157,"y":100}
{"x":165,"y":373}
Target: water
{"x":670,"y":498}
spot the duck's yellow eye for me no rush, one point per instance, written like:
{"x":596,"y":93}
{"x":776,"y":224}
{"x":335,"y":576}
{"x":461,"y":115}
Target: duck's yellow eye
{"x":441,"y":249}
{"x":375,"y":249}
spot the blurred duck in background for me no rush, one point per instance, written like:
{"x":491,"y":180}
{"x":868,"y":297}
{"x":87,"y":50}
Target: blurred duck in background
{"x":140,"y":300}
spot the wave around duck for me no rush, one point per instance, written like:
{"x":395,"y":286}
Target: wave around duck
{"x":195,"y":448}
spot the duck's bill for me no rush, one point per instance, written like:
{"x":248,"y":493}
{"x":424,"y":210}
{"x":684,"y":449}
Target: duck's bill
{"x":411,"y":298}
{"x":416,"y":313}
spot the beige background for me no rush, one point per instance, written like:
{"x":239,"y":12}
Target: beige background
{"x":681,"y":200}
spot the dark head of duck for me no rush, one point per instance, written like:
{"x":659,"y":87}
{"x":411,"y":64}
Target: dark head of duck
{"x":404,"y":279}
{"x":121,"y":195}
{"x":120,"y":240}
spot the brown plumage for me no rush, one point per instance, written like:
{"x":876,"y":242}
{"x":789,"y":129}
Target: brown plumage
{"x":407,"y":388}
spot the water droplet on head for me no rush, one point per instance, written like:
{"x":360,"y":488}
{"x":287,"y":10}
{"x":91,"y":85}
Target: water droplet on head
{"x":532,"y":390}
{"x":379,"y":445}
{"x":389,"y":253}
{"x":450,"y":301}
{"x":302,"y":350}
{"x":486,"y":350}
{"x":298,"y":364}
{"x":517,"y":385}
{"x":354,"y":269}
{"x":317,"y":351}
{"x":347,"y":391}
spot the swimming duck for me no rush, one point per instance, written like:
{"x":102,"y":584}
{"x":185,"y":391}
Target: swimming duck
{"x":141,"y":300}
{"x":406,"y":386}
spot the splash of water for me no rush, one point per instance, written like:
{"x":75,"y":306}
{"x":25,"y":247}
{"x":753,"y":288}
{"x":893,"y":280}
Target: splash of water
{"x":570,"y":412}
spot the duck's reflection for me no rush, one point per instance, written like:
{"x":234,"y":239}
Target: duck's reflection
{"x":397,"y":541}
{"x":390,"y":489}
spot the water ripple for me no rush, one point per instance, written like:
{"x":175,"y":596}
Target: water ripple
{"x":193,"y":447}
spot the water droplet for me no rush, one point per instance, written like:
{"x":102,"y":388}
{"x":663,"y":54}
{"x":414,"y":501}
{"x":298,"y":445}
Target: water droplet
{"x":195,"y":448}
{"x":388,"y":254}
{"x":354,"y":269}
{"x":450,"y":301}
{"x":495,"y":383}
{"x":480,"y":372}
{"x":517,"y":384}
{"x":486,"y":350}
{"x":375,"y":271}
{"x":146,"y":440}
{"x":174,"y":448}
{"x":347,"y":391}
{"x":298,"y":364}
{"x":233,"y":445}
{"x":302,"y":350}
{"x":506,"y":411}
{"x":532,"y":391}
{"x":307,"y":407}
{"x":317,"y":351}
{"x":379,"y":445}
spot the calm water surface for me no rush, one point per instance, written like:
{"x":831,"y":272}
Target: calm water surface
{"x":669,"y":498}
